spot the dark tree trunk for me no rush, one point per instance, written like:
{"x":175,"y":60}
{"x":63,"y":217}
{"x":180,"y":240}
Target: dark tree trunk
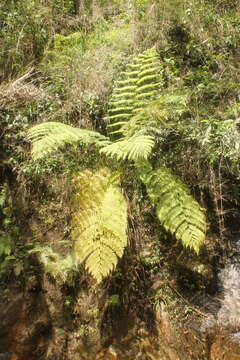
{"x":77,"y":5}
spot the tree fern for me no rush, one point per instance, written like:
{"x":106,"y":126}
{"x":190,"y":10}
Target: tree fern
{"x":50,"y":136}
{"x":99,"y":222}
{"x":137,"y":112}
{"x":177,"y":211}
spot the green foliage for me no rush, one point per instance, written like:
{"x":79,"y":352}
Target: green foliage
{"x":177,"y":211}
{"x":137,"y":110}
{"x":114,"y":300}
{"x":9,"y":233}
{"x":133,"y":148}
{"x":132,"y":108}
{"x":156,"y":116}
{"x":198,"y":44}
{"x":7,"y":227}
{"x":60,"y":58}
{"x":99,"y":222}
{"x":136,"y":89}
{"x":23,"y":35}
{"x":64,"y":6}
{"x":54,"y":264}
{"x":5,"y":246}
{"x":220,"y":139}
{"x":50,"y":136}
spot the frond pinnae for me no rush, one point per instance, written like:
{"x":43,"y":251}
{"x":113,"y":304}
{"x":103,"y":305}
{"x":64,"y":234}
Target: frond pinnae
{"x":177,"y":210}
{"x":99,"y":223}
{"x":136,"y":147}
{"x":140,"y":83}
{"x":50,"y":136}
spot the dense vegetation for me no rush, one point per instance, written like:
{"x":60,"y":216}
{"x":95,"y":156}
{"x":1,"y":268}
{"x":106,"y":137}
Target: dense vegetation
{"x":115,"y":114}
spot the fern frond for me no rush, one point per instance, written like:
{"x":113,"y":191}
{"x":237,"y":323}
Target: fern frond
{"x":148,"y":120}
{"x":147,"y":78}
{"x":151,"y":95}
{"x":99,"y":223}
{"x":177,"y":210}
{"x":120,"y":116}
{"x":134,"y":148}
{"x":48,"y":137}
{"x":126,"y":95}
{"x":153,"y":69}
{"x":126,"y":82}
{"x":132,"y":74}
{"x":122,"y":109}
{"x":125,"y":89}
{"x":141,"y":81}
{"x":133,"y":67}
{"x":122,"y":102}
{"x":149,"y":66}
{"x":149,"y":60}
{"x":147,"y":87}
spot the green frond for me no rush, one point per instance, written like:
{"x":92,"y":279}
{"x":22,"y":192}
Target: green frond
{"x":149,"y":60}
{"x":127,"y":88}
{"x":122,"y":109}
{"x":151,"y":95}
{"x":139,"y":105}
{"x":145,"y":120}
{"x":120,"y":123}
{"x":153,"y":69}
{"x":123,"y":102}
{"x":134,"y":66}
{"x":147,"y":87}
{"x":120,"y":116}
{"x":48,"y":137}
{"x":132,"y":74}
{"x":140,"y":84}
{"x":146,"y":67}
{"x":99,"y":222}
{"x":126,"y":95}
{"x":177,"y":210}
{"x":147,"y":79}
{"x":126,"y":82}
{"x":134,"y":148}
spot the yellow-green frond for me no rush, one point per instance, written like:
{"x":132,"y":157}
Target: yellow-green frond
{"x":48,"y":137}
{"x":177,"y":210}
{"x":134,"y":148}
{"x":99,"y":223}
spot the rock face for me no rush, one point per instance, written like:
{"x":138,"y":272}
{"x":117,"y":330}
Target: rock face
{"x":229,"y":314}
{"x":29,"y":331}
{"x":25,"y":326}
{"x":225,"y":347}
{"x":39,"y":322}
{"x":227,"y":341}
